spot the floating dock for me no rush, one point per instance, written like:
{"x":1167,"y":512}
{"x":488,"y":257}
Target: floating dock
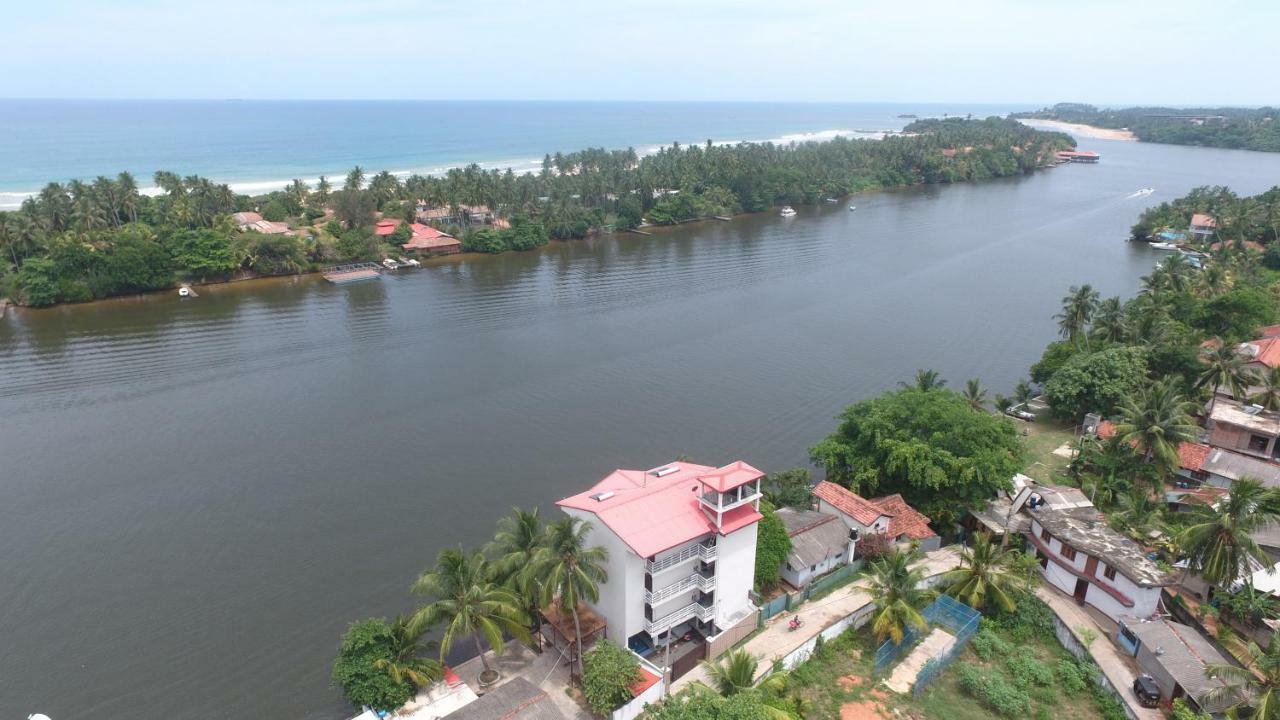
{"x":352,"y":272}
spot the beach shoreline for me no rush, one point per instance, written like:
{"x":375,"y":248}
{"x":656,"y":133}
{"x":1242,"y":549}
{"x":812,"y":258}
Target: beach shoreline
{"x":1087,"y":131}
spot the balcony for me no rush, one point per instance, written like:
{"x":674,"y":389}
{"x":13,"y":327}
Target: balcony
{"x":721,"y":502}
{"x":697,"y":550}
{"x":705,"y":583}
{"x":705,"y":613}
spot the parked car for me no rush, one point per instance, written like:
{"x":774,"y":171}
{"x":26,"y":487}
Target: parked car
{"x":1148,"y":692}
{"x":1020,"y":414}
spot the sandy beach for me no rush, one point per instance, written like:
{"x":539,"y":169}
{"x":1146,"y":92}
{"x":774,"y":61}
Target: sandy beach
{"x":1088,"y":131}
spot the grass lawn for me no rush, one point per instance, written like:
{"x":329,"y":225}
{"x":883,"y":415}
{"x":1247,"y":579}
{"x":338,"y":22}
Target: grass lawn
{"x":1042,"y":437}
{"x":1012,"y":670}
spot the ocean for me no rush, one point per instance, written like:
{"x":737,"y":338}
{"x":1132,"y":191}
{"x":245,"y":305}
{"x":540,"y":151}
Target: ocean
{"x":259,"y":146}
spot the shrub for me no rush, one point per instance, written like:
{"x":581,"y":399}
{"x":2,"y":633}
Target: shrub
{"x":608,"y":673}
{"x":1070,"y":675}
{"x":988,"y":645}
{"x":993,"y":690}
{"x":1026,"y":670}
{"x":364,"y":644}
{"x":1031,"y":618}
{"x":1182,"y":712}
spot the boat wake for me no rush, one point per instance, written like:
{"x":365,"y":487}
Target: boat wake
{"x":1140,"y":193}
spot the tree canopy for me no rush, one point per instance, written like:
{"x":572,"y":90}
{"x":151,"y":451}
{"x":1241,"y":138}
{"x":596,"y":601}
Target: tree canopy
{"x":931,"y":446}
{"x":1096,"y":381}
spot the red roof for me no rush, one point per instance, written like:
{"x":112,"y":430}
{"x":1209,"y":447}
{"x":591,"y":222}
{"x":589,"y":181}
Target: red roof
{"x":1267,"y":353}
{"x":1270,"y":331}
{"x":646,"y":681}
{"x":731,"y":476}
{"x":1202,"y":220}
{"x":1193,"y":455}
{"x":656,"y":510}
{"x":385,"y":227}
{"x":903,"y":519}
{"x":426,"y":237}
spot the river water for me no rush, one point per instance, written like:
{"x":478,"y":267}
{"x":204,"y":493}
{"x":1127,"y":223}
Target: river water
{"x":197,"y":496}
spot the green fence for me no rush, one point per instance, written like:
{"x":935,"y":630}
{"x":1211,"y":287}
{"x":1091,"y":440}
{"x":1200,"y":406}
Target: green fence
{"x":825,"y":584}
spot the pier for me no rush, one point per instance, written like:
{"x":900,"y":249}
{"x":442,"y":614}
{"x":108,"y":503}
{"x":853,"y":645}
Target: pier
{"x":352,"y":272}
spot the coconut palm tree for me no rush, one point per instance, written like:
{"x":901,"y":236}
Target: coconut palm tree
{"x":1110,"y":322}
{"x":514,"y":552}
{"x":895,"y":589}
{"x":467,"y":601}
{"x":988,"y":576}
{"x":735,"y":672}
{"x":975,"y":395}
{"x":1224,"y":367}
{"x":1268,"y":396}
{"x":1023,"y":392}
{"x":1157,"y":419}
{"x":1254,"y":688}
{"x":1218,"y":542}
{"x":926,"y":380}
{"x":406,"y":662}
{"x":571,"y":571}
{"x":1136,"y":512}
{"x":1078,"y":306}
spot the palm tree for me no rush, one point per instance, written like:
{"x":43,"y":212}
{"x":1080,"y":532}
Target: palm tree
{"x":1254,"y":688}
{"x":468,"y":602}
{"x":1156,"y":420}
{"x":1109,"y":322}
{"x":514,"y":551}
{"x":405,"y":662}
{"x":736,"y":671}
{"x":926,"y":380}
{"x":975,"y":395}
{"x":1078,"y":306}
{"x":571,"y":571}
{"x":895,"y":589}
{"x":1022,"y":393}
{"x":1136,"y":512}
{"x":987,"y":577}
{"x":1219,"y":543}
{"x":1223,"y":366}
{"x":1268,"y":396}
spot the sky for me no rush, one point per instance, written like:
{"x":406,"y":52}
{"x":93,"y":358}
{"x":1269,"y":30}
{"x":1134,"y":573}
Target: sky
{"x":1107,"y":52}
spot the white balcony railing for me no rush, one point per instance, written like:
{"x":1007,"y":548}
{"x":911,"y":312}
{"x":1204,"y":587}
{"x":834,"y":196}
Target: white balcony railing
{"x":696,"y":580}
{"x":696,"y":550}
{"x":705,"y":613}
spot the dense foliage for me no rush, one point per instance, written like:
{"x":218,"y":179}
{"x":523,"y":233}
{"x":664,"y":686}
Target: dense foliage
{"x":931,"y":446}
{"x":772,"y":547}
{"x":1241,"y":128}
{"x":78,"y":241}
{"x":790,"y":488}
{"x":1096,"y":381}
{"x":1255,"y":218}
{"x":356,"y":671}
{"x":609,"y":673}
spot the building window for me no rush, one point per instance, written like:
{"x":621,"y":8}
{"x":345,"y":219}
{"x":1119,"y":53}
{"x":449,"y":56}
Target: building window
{"x":1109,"y":573}
{"x":1068,"y":553}
{"x":1258,"y":443}
{"x":1044,"y":534}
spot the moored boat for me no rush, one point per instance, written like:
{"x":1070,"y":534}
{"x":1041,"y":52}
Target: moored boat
{"x":787,"y":211}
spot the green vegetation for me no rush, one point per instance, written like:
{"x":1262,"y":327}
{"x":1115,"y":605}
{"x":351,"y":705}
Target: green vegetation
{"x":79,"y":241}
{"x":1254,"y":688}
{"x":1240,"y":128}
{"x":990,"y":576}
{"x":895,"y":588}
{"x":572,"y":570}
{"x":1096,"y":381}
{"x":366,"y":644}
{"x":772,"y":547}
{"x":930,"y":445}
{"x":1218,"y":539}
{"x":701,"y":703}
{"x":609,"y":673}
{"x":1238,"y":218}
{"x":790,"y":488}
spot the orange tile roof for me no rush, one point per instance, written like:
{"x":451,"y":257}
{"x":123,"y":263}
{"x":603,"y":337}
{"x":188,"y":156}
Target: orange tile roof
{"x":1268,"y":351}
{"x":731,"y":476}
{"x":903,"y":519}
{"x":1203,"y":220}
{"x":848,"y":502}
{"x":384,"y":228}
{"x":1192,"y":455}
{"x":651,"y":513}
{"x":426,"y":237}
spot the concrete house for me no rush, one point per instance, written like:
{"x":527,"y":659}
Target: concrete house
{"x":1097,"y":566}
{"x":889,"y":515}
{"x":820,"y":543}
{"x":1245,"y":429}
{"x":682,"y":550}
{"x":1176,"y":656}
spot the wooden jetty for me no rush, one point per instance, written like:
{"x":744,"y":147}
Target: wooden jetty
{"x":352,"y":272}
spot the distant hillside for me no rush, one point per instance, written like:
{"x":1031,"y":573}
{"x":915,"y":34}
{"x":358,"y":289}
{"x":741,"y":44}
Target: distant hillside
{"x":1241,"y":128}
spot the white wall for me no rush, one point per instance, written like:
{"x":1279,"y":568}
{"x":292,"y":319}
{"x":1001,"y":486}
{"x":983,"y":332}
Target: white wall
{"x":803,"y":576}
{"x":634,"y":708}
{"x":1144,"y":599}
{"x":735,"y":574}
{"x":622,"y":596}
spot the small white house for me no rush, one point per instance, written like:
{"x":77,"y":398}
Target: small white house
{"x":682,"y":550}
{"x":1097,"y":566}
{"x":820,"y":543}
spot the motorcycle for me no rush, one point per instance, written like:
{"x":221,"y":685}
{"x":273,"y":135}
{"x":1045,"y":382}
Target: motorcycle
{"x":795,"y":624}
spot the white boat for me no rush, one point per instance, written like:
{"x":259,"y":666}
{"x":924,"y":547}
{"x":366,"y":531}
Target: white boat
{"x":390,"y":264}
{"x":1163,"y":246}
{"x":1146,"y":191}
{"x":410,"y":262}
{"x":787,"y":211}
{"x":184,"y":292}
{"x":852,"y":208}
{"x":831,"y":201}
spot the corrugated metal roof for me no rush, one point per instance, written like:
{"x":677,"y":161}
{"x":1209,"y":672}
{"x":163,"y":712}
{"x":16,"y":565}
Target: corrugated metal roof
{"x":1184,"y":653}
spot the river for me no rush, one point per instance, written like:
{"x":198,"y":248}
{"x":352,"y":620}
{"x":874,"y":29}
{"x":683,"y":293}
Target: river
{"x":197,"y":496}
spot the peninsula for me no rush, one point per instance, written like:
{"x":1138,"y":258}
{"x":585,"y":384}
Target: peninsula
{"x":1225,"y":127}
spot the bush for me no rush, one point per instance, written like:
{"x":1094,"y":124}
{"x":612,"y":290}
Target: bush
{"x":772,"y":547}
{"x":274,"y":211}
{"x":364,"y":644}
{"x":994,"y":691}
{"x":1026,"y":670}
{"x":1031,"y":618}
{"x":1182,"y":712}
{"x":988,"y":645}
{"x":1070,"y":675}
{"x":1096,"y":382}
{"x":608,"y":673}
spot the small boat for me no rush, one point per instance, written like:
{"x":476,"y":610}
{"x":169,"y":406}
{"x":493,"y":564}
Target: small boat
{"x":390,"y":264}
{"x":184,"y":292}
{"x":1163,"y":246}
{"x":831,"y":201}
{"x":409,"y":262}
{"x":908,"y":115}
{"x":852,"y":208}
{"x":787,"y":211}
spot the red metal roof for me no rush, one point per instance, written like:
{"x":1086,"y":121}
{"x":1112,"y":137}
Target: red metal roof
{"x":731,"y":476}
{"x":1193,"y":455}
{"x":1268,"y":351}
{"x":1203,"y":220}
{"x":426,"y":237}
{"x":656,"y":510}
{"x":903,"y":519}
{"x":385,"y":227}
{"x":646,"y":681}
{"x":1270,"y":331}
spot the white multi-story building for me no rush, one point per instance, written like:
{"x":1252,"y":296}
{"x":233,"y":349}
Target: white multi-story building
{"x":1097,"y":566}
{"x":682,"y":549}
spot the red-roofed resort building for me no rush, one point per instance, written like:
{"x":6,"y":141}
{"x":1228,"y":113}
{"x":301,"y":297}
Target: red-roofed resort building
{"x":682,"y":549}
